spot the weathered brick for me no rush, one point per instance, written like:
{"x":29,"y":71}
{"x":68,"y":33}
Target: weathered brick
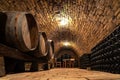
{"x":86,"y":16}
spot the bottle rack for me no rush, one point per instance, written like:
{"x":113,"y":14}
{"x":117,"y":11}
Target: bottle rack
{"x":84,"y":61}
{"x":105,"y":56}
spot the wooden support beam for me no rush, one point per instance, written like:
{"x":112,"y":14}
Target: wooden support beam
{"x":2,"y":66}
{"x":14,"y":53}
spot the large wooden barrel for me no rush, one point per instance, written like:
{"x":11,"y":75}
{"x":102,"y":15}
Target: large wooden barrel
{"x":50,"y":49}
{"x":42,"y":49}
{"x":19,"y":30}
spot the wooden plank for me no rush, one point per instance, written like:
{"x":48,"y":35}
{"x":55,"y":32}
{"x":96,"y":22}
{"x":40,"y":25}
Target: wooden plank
{"x":2,"y":66}
{"x":14,"y":53}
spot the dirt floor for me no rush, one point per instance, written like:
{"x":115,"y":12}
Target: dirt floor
{"x":63,"y":74}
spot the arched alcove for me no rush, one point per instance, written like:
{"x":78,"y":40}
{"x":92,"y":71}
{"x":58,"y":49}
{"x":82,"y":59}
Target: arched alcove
{"x":67,"y":57}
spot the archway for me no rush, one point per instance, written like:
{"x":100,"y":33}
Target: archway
{"x":66,"y":58}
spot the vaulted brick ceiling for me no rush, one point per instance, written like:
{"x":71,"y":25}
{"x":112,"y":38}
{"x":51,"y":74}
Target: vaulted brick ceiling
{"x":90,"y":20}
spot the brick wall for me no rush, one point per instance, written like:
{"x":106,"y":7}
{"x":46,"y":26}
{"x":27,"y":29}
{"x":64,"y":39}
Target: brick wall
{"x":92,"y":20}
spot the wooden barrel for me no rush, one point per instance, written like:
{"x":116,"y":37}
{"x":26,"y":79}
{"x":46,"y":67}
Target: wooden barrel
{"x":50,"y":49}
{"x":42,"y":49}
{"x":19,"y":30}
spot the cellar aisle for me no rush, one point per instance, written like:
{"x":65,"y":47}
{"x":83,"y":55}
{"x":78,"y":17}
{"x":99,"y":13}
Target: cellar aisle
{"x":63,"y":74}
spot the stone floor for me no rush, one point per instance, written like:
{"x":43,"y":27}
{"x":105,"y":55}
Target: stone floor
{"x":62,"y":74}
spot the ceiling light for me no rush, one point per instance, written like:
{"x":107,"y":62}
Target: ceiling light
{"x":66,"y":44}
{"x":62,"y":20}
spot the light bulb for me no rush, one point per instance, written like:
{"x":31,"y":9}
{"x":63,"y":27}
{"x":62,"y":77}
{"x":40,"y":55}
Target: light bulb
{"x":63,"y":21}
{"x":66,"y":43}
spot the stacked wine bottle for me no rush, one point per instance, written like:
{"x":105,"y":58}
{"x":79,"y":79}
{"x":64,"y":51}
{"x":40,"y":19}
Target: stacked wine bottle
{"x":85,"y":61}
{"x":105,"y":56}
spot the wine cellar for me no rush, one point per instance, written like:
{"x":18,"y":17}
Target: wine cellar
{"x":59,"y":39}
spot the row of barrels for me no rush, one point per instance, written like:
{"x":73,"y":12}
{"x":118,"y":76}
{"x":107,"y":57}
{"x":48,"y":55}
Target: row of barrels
{"x":105,"y":56}
{"x":19,"y":30}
